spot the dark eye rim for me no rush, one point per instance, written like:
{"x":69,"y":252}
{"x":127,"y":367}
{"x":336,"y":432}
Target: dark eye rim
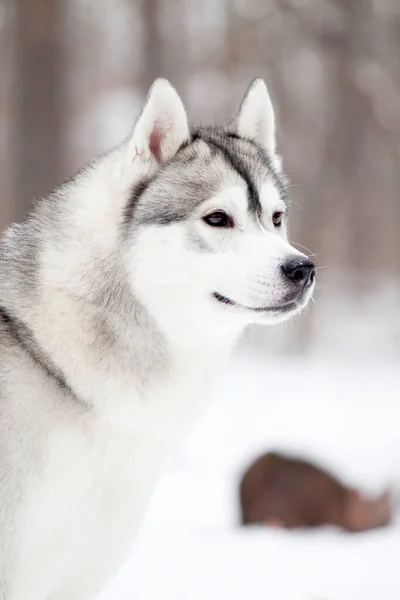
{"x":277,"y":218}
{"x":225,"y":222}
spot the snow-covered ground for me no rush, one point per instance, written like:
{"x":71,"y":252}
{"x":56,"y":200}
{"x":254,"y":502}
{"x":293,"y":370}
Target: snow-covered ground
{"x":346,"y":417}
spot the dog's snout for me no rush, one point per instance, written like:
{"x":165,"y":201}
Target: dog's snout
{"x":300,"y":270}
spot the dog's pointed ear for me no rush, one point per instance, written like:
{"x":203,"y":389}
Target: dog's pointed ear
{"x":162,"y":126}
{"x":255,"y":119}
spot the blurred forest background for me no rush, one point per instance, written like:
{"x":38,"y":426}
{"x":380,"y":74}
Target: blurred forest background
{"x":75,"y":73}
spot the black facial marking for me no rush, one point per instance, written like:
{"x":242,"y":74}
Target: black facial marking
{"x":195,"y":136}
{"x":242,"y":155}
{"x":234,"y":160}
{"x":265,"y":159}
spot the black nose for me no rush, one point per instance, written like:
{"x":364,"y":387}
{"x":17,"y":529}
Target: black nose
{"x":299,"y":270}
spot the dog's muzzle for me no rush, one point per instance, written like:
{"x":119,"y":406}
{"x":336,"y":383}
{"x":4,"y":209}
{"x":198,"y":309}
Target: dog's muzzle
{"x":299,"y":274}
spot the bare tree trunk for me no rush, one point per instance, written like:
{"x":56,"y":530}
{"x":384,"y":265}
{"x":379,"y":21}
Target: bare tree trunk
{"x":37,"y":100}
{"x":153,"y":43}
{"x":7,"y":46}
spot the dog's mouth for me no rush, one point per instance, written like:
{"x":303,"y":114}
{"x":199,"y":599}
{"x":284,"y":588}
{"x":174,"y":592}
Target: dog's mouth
{"x":281,"y":308}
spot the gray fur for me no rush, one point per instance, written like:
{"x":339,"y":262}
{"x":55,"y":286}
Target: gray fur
{"x":212,"y":158}
{"x":110,"y":338}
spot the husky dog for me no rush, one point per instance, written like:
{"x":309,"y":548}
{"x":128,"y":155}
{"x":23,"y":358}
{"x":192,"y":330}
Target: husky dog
{"x":121,"y":298}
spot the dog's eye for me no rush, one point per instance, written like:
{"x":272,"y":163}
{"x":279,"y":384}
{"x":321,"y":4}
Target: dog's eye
{"x":218,"y":219}
{"x":277,"y":218}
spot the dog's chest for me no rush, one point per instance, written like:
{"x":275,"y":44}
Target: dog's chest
{"x":81,"y":519}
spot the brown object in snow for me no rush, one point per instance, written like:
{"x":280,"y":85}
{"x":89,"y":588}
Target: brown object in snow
{"x":287,"y":492}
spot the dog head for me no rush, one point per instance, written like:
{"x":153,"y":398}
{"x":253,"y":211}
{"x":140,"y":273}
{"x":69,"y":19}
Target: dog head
{"x":207,"y":219}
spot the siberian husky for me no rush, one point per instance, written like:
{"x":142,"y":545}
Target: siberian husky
{"x":121,"y":297}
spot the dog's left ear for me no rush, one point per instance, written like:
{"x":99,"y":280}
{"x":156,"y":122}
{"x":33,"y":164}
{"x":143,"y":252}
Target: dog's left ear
{"x":162,"y":126}
{"x":256,"y":119}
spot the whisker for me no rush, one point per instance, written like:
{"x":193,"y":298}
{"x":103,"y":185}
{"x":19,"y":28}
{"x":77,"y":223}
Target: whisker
{"x":311,"y":253}
{"x":297,"y":204}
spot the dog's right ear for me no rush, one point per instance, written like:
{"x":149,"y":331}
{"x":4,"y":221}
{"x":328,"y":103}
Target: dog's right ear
{"x":162,"y":126}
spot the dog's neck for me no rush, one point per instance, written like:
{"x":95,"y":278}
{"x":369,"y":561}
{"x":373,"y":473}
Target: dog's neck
{"x":69,"y":289}
{"x":114,"y":358}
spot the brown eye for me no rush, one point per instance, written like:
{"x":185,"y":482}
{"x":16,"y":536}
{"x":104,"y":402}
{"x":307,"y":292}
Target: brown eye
{"x":277,"y":218}
{"x":218,"y":219}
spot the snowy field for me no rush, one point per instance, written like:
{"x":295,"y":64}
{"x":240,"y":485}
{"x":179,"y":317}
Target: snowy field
{"x":346,"y":417}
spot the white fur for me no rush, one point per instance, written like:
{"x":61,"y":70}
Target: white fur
{"x":244,"y":265}
{"x":87,"y":491}
{"x":162,"y":127}
{"x":256,"y":118}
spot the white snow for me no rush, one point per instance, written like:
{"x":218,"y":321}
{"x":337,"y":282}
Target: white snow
{"x":345,"y":416}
